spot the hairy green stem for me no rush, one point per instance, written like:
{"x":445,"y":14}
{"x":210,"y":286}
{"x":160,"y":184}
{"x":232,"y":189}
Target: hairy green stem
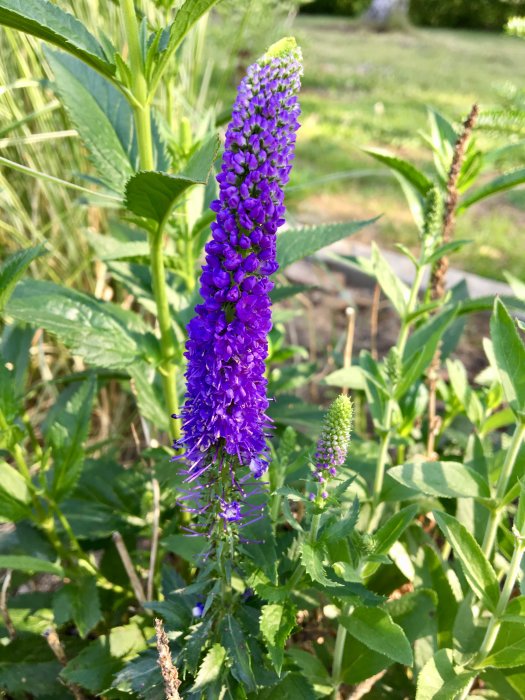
{"x":501,"y":489}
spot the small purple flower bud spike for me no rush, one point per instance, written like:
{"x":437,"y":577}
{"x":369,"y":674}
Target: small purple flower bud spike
{"x":224,"y":421}
{"x":332,"y":446}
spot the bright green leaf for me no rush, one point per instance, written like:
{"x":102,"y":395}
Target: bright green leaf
{"x":441,"y":679}
{"x":14,"y":494}
{"x":499,"y":184}
{"x":392,"y":286}
{"x":298,"y":243}
{"x":375,"y":628}
{"x":477,"y":569}
{"x":509,"y":649}
{"x":442,"y":479}
{"x":405,"y":169}
{"x":312,"y":559}
{"x":21,"y":562}
{"x":49,"y":22}
{"x":14,"y":267}
{"x":509,"y":351}
{"x":211,"y":667}
{"x":153,"y":194}
{"x":276,"y":623}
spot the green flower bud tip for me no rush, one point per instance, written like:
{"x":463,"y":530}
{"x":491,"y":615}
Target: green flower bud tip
{"x":333,"y":443}
{"x":287,"y":46}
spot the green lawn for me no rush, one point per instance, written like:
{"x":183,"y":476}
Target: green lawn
{"x":373,"y":89}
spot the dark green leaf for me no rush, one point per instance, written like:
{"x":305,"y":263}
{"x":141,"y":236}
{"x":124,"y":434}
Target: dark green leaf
{"x":232,"y":637}
{"x":312,"y":559}
{"x":389,"y":533}
{"x":96,"y":665}
{"x":407,"y":171}
{"x":79,"y":602}
{"x":13,"y":268}
{"x":442,"y":479}
{"x":21,"y":562}
{"x":420,"y":349}
{"x":509,"y":649}
{"x":478,"y":571}
{"x":292,"y":687}
{"x":67,"y":427}
{"x":91,"y":328}
{"x":28,"y":668}
{"x":187,"y":548}
{"x":94,"y":126}
{"x":441,"y":679}
{"x":376,"y":629}
{"x":142,"y":676}
{"x":499,"y":184}
{"x":299,"y":243}
{"x":153,"y":194}
{"x":47,"y":21}
{"x":509,"y":351}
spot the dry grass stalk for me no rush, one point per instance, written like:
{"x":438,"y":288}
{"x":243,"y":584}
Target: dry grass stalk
{"x":365,"y":686}
{"x":4,"y":611}
{"x":130,"y":569}
{"x":167,"y":667}
{"x":439,"y":272}
{"x":56,"y":647}
{"x":349,"y":345}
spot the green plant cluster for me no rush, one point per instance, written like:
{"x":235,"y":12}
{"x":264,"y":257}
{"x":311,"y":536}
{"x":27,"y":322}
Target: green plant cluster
{"x":405,"y":580}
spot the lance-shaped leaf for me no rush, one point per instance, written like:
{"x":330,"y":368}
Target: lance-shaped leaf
{"x":376,"y":629}
{"x":47,"y":21}
{"x":442,"y":479}
{"x":298,"y":243}
{"x":14,"y":494}
{"x":277,"y":622}
{"x":154,"y":194}
{"x":100,"y":332}
{"x":34,"y":565}
{"x":392,"y":286}
{"x":89,"y":101}
{"x":509,"y":351}
{"x":499,"y":184}
{"x":477,"y":569}
{"x":14,"y":267}
{"x":441,"y":679}
{"x":406,"y":170}
{"x":211,"y":667}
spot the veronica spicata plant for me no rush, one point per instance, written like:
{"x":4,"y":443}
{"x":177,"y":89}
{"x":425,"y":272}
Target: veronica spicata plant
{"x":224,"y":419}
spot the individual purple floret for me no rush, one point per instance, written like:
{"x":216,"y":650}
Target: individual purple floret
{"x":224,"y":421}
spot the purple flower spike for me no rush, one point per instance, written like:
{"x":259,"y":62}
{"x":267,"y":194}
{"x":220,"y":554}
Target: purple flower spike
{"x":224,"y":421}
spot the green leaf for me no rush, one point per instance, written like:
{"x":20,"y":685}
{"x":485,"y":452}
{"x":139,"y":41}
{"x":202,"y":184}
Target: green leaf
{"x":515,"y":610}
{"x":78,"y":601}
{"x":96,"y":665}
{"x":14,"y":267}
{"x":153,"y":194}
{"x":66,"y":430}
{"x":190,"y":12}
{"x":298,"y":243}
{"x":313,"y":669}
{"x":211,"y":667}
{"x":466,"y":395}
{"x":292,"y":687}
{"x":312,"y":559}
{"x":389,"y":282}
{"x":28,"y":668}
{"x":509,"y":351}
{"x":94,"y":329}
{"x":188,"y":548}
{"x":434,"y":577}
{"x":441,"y":679}
{"x":420,"y":349}
{"x":499,"y":184}
{"x":446,"y":249}
{"x":15,"y":496}
{"x":21,"y":562}
{"x":349,"y":377}
{"x":442,"y":479}
{"x":47,"y":21}
{"x":344,"y":525}
{"x":405,"y":169}
{"x":389,"y":533}
{"x":509,"y":648}
{"x":233,"y":639}
{"x":73,"y":84}
{"x":375,"y":628}
{"x":147,"y":390}
{"x":276,"y":623}
{"x":478,"y":571}
{"x":141,"y":677}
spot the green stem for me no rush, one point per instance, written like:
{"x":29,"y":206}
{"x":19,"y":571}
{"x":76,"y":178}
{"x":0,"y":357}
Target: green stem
{"x":142,"y":119}
{"x":494,"y":625}
{"x":167,"y":339}
{"x":501,"y":489}
{"x":338,"y":653}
